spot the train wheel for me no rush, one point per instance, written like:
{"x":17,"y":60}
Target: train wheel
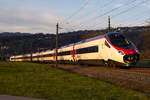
{"x":109,"y":64}
{"x":112,"y":64}
{"x":106,"y":63}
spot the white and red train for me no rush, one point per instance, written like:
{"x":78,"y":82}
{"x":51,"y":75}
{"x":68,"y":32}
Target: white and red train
{"x":111,"y":48}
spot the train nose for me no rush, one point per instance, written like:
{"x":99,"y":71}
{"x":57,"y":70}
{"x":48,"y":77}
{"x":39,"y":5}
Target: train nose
{"x":131,"y":59}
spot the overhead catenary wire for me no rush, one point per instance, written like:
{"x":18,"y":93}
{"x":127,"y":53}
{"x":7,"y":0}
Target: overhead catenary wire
{"x":129,"y":9}
{"x":125,"y":11}
{"x":79,"y":10}
{"x":142,"y":21}
{"x":66,"y":21}
{"x":106,"y":13}
{"x":96,"y":10}
{"x":82,"y":25}
{"x":136,"y":17}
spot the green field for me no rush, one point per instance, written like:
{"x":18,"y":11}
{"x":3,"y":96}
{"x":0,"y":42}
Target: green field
{"x":43,"y":81}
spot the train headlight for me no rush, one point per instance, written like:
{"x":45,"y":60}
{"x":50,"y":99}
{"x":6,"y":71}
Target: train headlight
{"x":137,"y":50}
{"x":121,"y":52}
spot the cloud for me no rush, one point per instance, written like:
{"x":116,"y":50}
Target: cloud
{"x":27,"y":20}
{"x":119,"y":5}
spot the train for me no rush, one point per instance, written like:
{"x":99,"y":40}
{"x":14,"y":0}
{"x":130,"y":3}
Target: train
{"x":110,"y":49}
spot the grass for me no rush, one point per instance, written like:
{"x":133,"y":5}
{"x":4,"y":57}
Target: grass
{"x":42,"y":81}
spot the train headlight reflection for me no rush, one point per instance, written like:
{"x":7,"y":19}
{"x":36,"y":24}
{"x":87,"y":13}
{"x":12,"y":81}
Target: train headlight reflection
{"x":137,"y":50}
{"x":121,"y":52}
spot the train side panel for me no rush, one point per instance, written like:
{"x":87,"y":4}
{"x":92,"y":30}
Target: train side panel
{"x":88,"y":50}
{"x":65,"y":54}
{"x":47,"y":56}
{"x":108,"y":52}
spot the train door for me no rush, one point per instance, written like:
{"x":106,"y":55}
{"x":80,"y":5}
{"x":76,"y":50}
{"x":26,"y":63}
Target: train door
{"x":73,"y":53}
{"x":106,"y":51}
{"x":41,"y":57}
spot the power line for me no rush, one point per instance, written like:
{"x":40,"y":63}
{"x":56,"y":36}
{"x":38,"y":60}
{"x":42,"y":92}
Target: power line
{"x":136,"y":16}
{"x":127,"y":9}
{"x":106,"y":13}
{"x":96,"y":10}
{"x":116,"y":8}
{"x":79,"y":10}
{"x":75,"y":13}
{"x":137,"y":20}
{"x":99,"y":9}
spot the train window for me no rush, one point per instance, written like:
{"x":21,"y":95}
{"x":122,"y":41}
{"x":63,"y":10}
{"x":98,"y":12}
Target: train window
{"x":35,"y":56}
{"x":107,"y":44}
{"x":87,"y":50}
{"x":78,"y":51}
{"x":19,"y":58}
{"x":119,"y":40}
{"x":64,"y":53}
{"x":48,"y":55}
{"x":38,"y":56}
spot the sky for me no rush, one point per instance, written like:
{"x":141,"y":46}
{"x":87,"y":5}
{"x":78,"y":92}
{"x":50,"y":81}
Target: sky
{"x":36,"y":16}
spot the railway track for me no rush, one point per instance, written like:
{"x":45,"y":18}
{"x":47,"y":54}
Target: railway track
{"x":133,"y":78}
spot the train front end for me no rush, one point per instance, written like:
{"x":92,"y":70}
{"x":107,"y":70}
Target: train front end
{"x":126,"y":51}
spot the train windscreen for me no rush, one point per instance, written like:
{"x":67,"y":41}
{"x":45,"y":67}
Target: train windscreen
{"x":119,"y":40}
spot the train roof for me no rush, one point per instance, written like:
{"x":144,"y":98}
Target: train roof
{"x":97,"y":37}
{"x":90,"y":39}
{"x":112,"y":33}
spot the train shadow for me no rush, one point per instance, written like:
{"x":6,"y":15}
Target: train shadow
{"x":144,"y":63}
{"x":141,"y":66}
{"x":69,"y":69}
